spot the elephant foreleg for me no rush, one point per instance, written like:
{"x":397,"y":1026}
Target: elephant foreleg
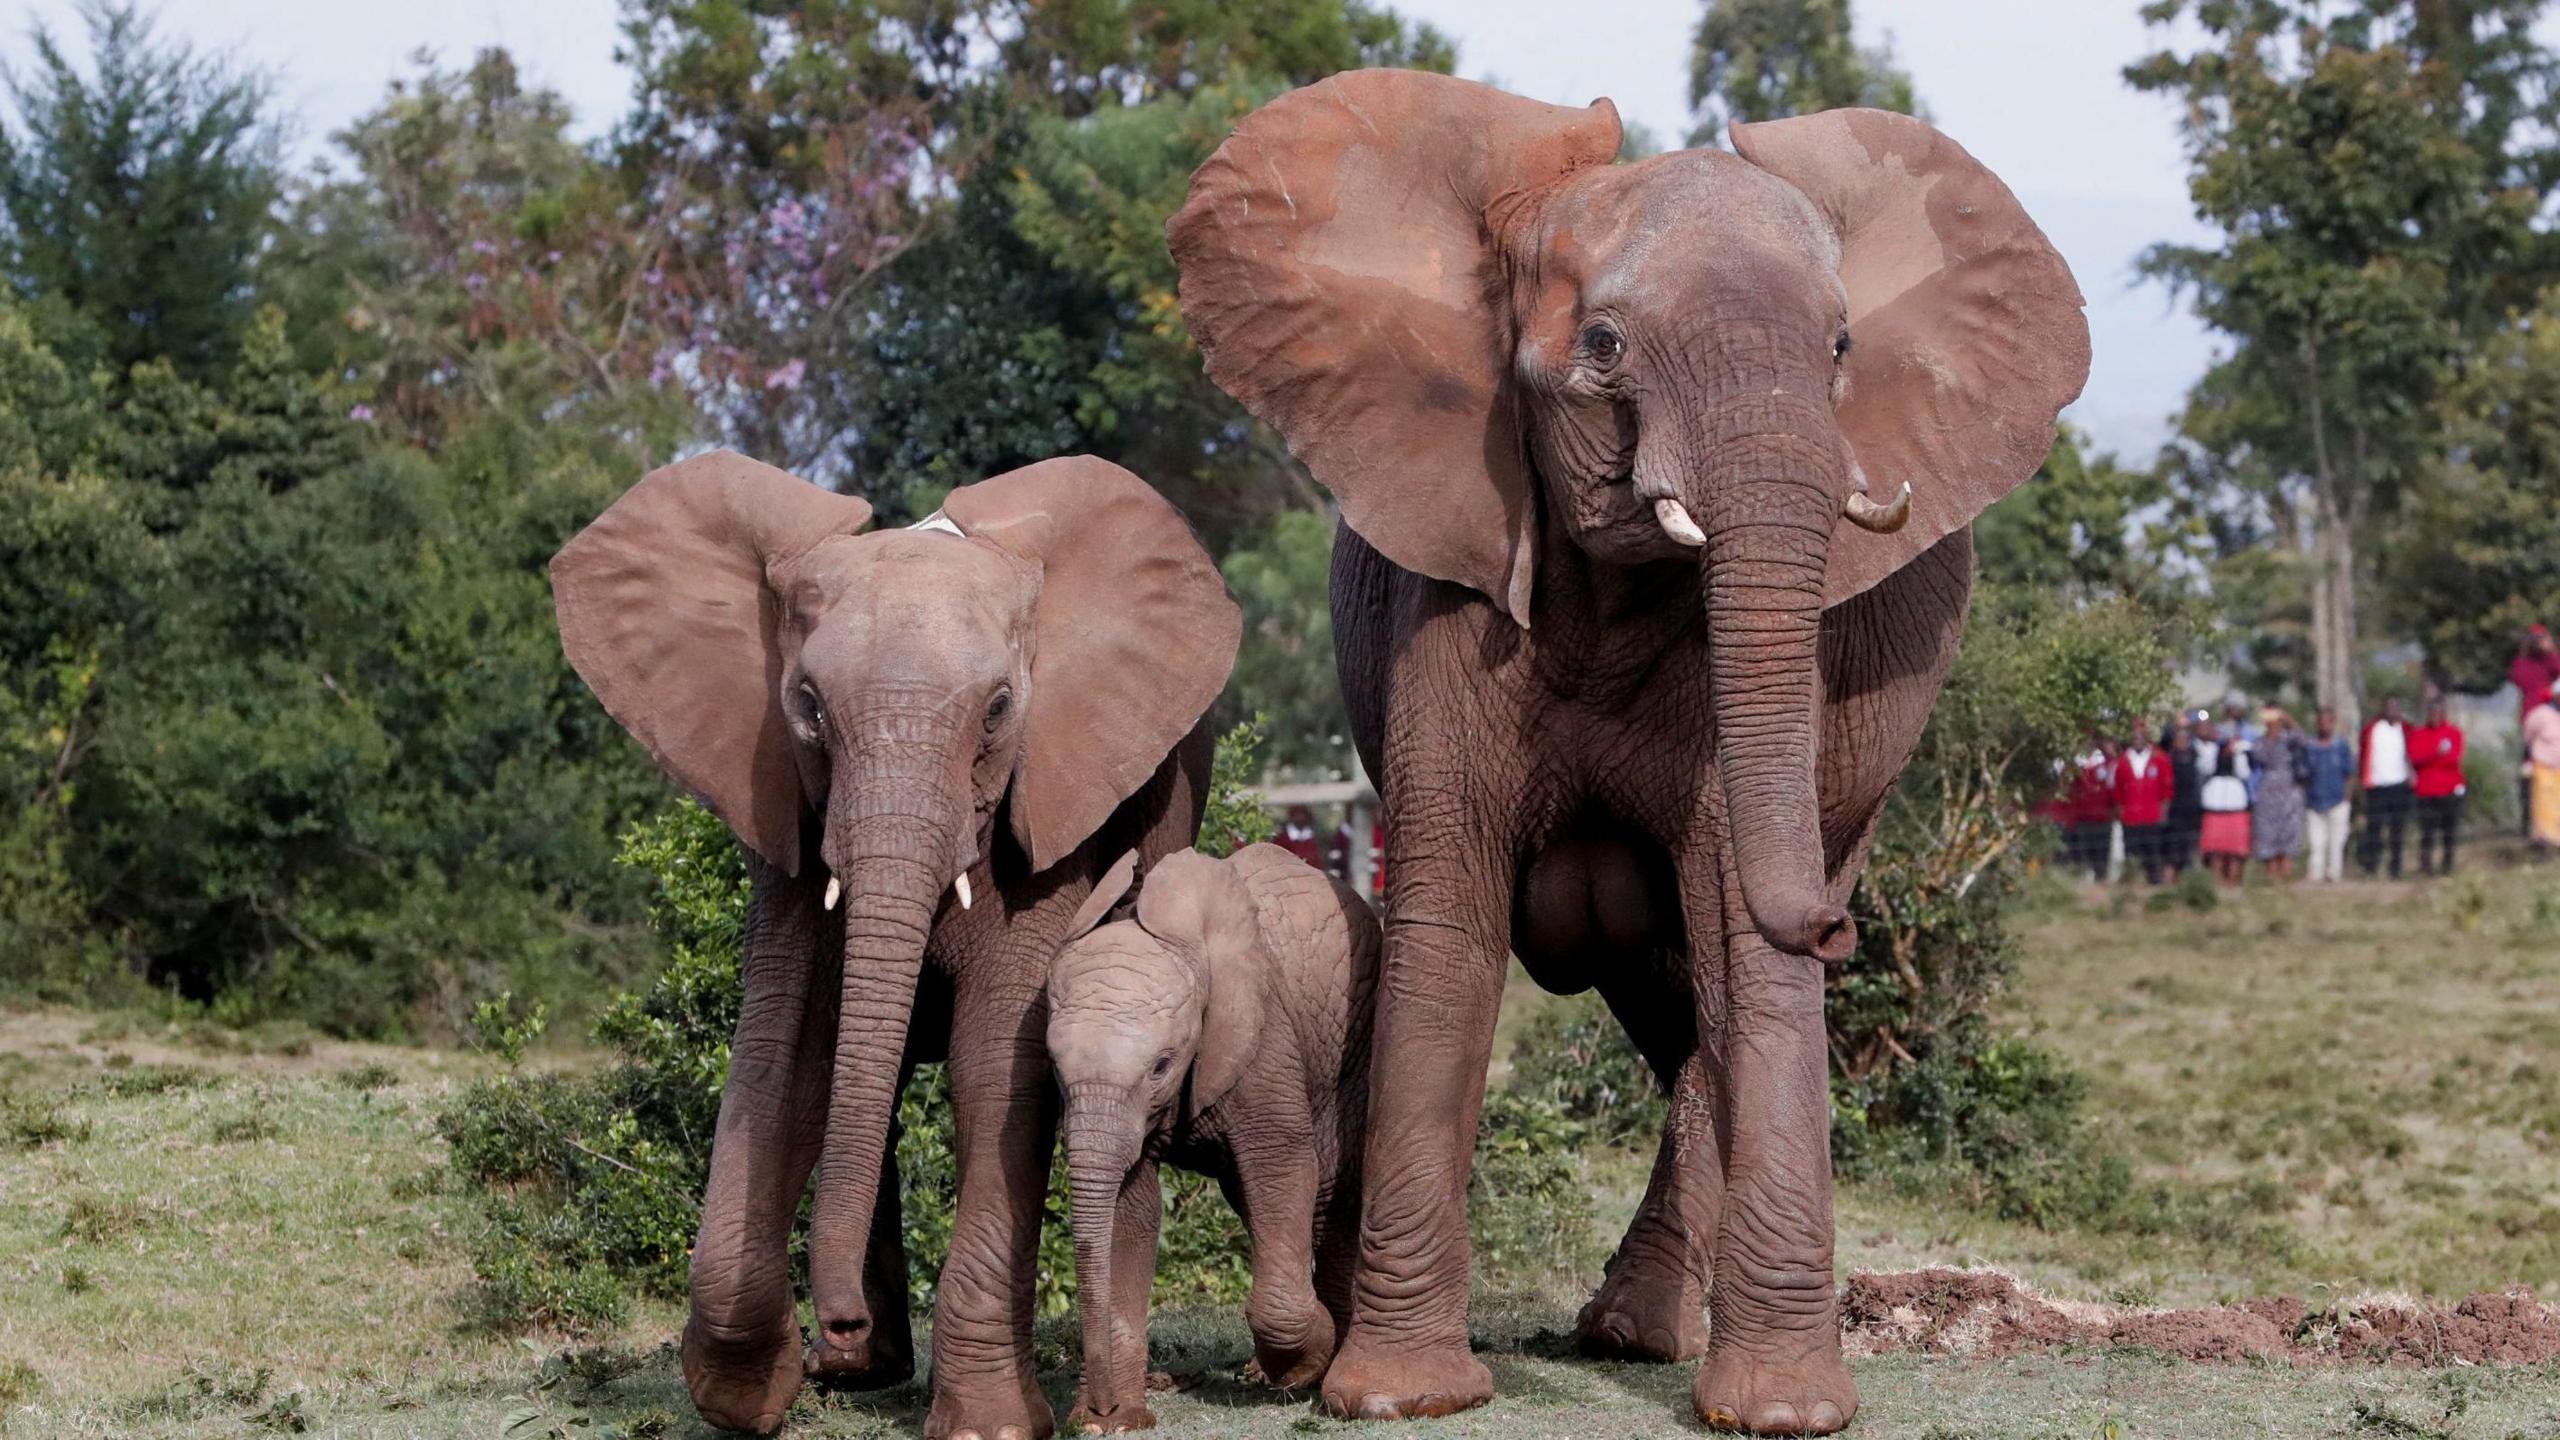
{"x":1773,"y":1352}
{"x":741,"y":1349}
{"x":1439,"y":986}
{"x":1004,"y":1119}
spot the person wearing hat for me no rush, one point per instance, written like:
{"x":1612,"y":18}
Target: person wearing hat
{"x":2278,"y":807}
{"x":2534,"y":671}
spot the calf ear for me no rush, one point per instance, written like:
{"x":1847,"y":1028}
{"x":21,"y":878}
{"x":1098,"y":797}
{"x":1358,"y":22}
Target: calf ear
{"x":1106,"y":893}
{"x":1199,"y":907}
{"x":665,"y":613}
{"x":1133,"y":633}
{"x":1965,"y":332}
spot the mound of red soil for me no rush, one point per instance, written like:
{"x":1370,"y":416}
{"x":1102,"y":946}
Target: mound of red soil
{"x":1983,"y":1312}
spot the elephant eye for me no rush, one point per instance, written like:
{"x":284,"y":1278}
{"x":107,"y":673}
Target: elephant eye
{"x":1163,"y":1063}
{"x":998,"y":708}
{"x":812,"y":713}
{"x":1603,"y":346}
{"x":1840,"y":347}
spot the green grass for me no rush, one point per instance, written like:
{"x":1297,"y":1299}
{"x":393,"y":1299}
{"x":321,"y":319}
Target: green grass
{"x":208,"y":1234}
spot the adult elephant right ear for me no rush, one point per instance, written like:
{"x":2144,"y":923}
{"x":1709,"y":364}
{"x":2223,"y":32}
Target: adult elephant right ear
{"x":1340,"y":270}
{"x":665,"y":613}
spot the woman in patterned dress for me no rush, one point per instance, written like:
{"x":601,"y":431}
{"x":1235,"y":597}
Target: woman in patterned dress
{"x":2275,"y":829}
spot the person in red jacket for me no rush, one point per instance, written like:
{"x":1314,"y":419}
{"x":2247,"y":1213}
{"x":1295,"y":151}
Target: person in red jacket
{"x":2143,"y":785}
{"x":2089,"y":810}
{"x":2435,"y":753}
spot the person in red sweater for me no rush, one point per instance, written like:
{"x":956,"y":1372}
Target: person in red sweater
{"x":2435,"y":753}
{"x":2143,"y":783}
{"x":2534,"y":671}
{"x":2089,"y":809}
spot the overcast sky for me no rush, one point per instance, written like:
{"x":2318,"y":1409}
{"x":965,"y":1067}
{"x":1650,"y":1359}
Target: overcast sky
{"x":2029,"y":86}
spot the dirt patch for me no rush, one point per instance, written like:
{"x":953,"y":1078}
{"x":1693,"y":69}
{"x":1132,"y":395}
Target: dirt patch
{"x":1985,"y":1312}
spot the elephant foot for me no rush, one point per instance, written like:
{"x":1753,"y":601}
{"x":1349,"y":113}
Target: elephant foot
{"x":1293,"y":1356}
{"x":1084,"y":1420}
{"x":743,"y":1386}
{"x":1367,"y":1382}
{"x":874,"y":1357}
{"x":1800,"y":1387}
{"x":1021,"y":1415}
{"x":1643,"y":1318}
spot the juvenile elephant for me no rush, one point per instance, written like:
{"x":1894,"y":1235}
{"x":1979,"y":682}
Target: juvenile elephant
{"x":1223,"y":1028}
{"x":1639,"y":404}
{"x":930,"y":742}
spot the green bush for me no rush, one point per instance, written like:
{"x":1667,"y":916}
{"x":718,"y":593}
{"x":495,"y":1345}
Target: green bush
{"x":1573,"y":1055}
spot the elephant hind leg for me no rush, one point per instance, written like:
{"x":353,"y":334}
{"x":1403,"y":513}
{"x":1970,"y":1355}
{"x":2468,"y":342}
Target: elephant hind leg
{"x":1652,"y":1306}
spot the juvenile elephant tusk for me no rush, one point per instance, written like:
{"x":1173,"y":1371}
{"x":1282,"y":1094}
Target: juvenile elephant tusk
{"x":835,"y":889}
{"x":1677,"y":524}
{"x":1867,"y":515}
{"x":960,"y":887}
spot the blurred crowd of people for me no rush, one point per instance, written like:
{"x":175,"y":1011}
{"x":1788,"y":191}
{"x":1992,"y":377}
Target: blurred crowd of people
{"x":2255,"y":785}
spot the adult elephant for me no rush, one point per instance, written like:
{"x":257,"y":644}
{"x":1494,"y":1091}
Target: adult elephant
{"x":1638,"y":404}
{"x":929,"y":742}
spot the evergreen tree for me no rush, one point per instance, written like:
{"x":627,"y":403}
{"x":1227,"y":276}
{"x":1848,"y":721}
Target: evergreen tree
{"x":136,"y":197}
{"x":1754,"y":60}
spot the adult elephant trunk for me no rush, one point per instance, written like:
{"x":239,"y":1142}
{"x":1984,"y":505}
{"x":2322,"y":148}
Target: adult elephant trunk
{"x":894,"y":843}
{"x":1103,"y":1140}
{"x":1767,"y":477}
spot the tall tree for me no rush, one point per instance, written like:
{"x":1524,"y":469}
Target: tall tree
{"x":2374,"y":169}
{"x":136,"y":196}
{"x":1754,"y":60}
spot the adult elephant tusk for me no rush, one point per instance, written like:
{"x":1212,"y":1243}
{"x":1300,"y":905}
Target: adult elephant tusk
{"x":835,"y":890}
{"x":1867,"y":515}
{"x":1676,"y":523}
{"x":960,"y":887}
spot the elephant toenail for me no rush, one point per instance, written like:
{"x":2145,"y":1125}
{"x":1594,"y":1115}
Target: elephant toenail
{"x":1720,"y":1418}
{"x":1012,"y":1432}
{"x":1777,"y":1418}
{"x":1827,"y":1417}
{"x":1374,"y":1406}
{"x":966,"y":1435}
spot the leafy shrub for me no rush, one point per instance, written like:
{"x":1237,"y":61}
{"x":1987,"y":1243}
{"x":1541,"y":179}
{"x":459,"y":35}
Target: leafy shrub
{"x":29,"y":1122}
{"x":1529,"y":1198}
{"x":1919,"y":1071}
{"x":1575,"y":1056}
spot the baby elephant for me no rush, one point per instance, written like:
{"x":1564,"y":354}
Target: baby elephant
{"x":1223,"y":1028}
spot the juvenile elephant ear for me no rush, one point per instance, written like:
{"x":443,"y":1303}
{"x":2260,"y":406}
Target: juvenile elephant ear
{"x":1200,"y":907}
{"x":1341,"y":274}
{"x":665,"y":613}
{"x":1965,"y":327}
{"x":1134,"y":636}
{"x":1106,"y":893}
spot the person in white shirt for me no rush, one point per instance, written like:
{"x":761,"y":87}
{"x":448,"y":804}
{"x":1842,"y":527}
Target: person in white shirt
{"x":2385,"y":775}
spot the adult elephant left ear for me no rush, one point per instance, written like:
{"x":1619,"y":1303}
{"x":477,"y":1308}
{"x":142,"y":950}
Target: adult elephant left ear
{"x":1134,"y":634}
{"x":1341,"y":269}
{"x":665,"y":613}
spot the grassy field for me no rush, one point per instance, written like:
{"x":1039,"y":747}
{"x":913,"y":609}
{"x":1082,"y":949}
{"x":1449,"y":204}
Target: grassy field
{"x":2355,"y":1089}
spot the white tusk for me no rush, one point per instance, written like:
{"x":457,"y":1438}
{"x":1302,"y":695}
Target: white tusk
{"x":961,"y":887}
{"x":1677,"y":524}
{"x":1867,"y":515}
{"x":835,"y":888}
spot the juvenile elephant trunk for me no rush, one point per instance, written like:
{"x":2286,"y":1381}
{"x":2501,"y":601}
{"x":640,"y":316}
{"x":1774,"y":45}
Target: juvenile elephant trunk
{"x":1771,"y":486}
{"x":1102,"y":1146}
{"x":893,"y":833}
